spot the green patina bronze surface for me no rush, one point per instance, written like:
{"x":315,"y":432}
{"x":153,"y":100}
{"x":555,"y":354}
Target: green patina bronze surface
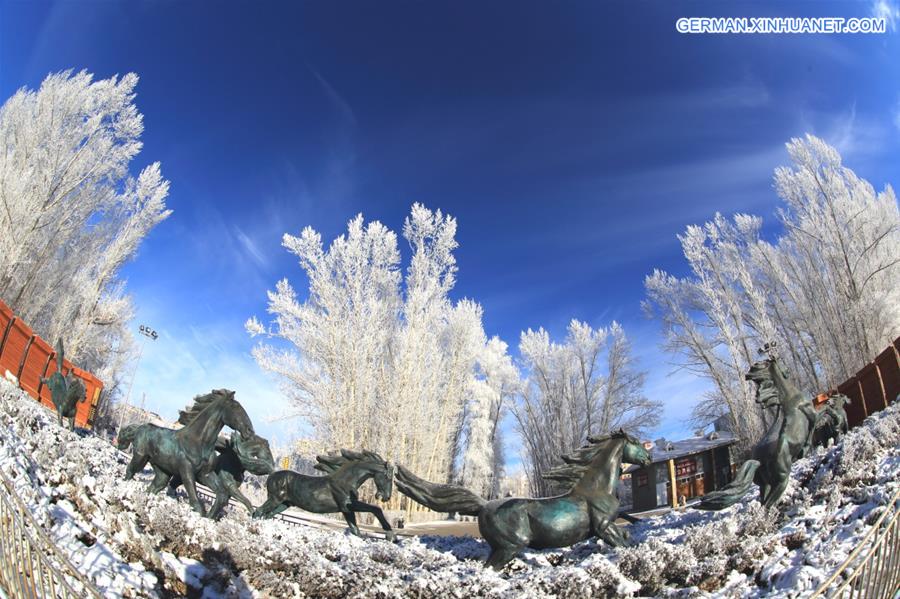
{"x":235,"y":457}
{"x":788,"y":439}
{"x":65,"y":393}
{"x":589,"y":508}
{"x":334,"y":492}
{"x":188,"y":452}
{"x":833,"y":418}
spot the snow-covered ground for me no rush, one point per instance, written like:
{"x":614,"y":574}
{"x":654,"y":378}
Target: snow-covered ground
{"x":133,"y":544}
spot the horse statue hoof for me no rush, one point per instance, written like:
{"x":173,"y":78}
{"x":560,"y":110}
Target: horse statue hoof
{"x":390,"y":535}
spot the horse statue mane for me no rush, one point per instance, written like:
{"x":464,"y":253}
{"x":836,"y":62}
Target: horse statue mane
{"x":578,"y":462}
{"x":331,"y":463}
{"x":201,"y":402}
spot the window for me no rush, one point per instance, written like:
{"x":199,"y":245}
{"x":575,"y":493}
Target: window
{"x":685,"y":467}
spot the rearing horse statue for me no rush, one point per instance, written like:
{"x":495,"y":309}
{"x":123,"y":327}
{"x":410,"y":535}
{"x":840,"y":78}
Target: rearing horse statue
{"x":788,"y":439}
{"x":589,"y":508}
{"x":65,"y":392}
{"x":188,"y":452}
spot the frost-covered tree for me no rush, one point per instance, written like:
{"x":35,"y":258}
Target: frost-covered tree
{"x":705,"y":317}
{"x":496,"y":383}
{"x":587,"y":385}
{"x":837,"y":267}
{"x":826,"y":289}
{"x":378,"y":360}
{"x":71,"y":214}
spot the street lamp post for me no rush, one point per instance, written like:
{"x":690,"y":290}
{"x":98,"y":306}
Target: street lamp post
{"x":149,"y":334}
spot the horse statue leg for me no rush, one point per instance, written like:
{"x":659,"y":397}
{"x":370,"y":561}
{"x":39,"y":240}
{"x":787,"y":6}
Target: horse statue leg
{"x":160,"y":480}
{"x":278,"y":487}
{"x":270,"y":508}
{"x":812,"y":419}
{"x":190,"y":485}
{"x":359,"y":506}
{"x":615,"y":535}
{"x":350,"y":517}
{"x":500,"y":556}
{"x":137,"y":463}
{"x":214,"y":482}
{"x":782,"y":475}
{"x":507,"y":530}
{"x":235,"y":491}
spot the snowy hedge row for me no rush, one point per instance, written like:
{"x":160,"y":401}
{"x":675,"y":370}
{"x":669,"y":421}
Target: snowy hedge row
{"x":134,"y":544}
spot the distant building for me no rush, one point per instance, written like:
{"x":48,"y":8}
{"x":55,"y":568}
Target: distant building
{"x":127,"y":414}
{"x":688,"y":468}
{"x":514,"y":484}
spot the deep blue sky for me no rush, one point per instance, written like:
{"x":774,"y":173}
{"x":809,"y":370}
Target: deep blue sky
{"x":572,"y":141}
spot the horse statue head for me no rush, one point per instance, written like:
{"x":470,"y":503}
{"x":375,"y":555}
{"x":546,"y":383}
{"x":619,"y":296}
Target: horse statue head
{"x":838,"y":400}
{"x":633,"y":451}
{"x":222,"y":400}
{"x":596,"y":454}
{"x":766,"y":375}
{"x":75,"y":391}
{"x":381,"y":471}
{"x":254,"y":453}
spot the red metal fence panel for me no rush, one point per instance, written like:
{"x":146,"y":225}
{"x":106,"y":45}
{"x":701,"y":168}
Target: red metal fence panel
{"x":28,"y":357}
{"x":12,"y":354}
{"x":888,"y":363}
{"x":871,"y":386}
{"x":6,"y":318}
{"x":35,"y":366}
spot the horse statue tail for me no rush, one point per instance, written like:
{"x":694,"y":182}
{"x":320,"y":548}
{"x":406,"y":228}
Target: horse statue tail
{"x":126,"y":435}
{"x":733,"y":491}
{"x":437,"y":497}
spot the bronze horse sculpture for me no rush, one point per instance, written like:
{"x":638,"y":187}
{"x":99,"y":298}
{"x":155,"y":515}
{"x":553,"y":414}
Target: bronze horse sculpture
{"x":188,"y":452}
{"x":335,"y":492}
{"x":589,"y":508}
{"x":236,"y":456}
{"x":833,"y":419}
{"x":65,"y":392}
{"x":788,"y":439}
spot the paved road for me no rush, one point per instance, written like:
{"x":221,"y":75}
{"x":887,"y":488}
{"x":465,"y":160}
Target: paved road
{"x":443,"y":528}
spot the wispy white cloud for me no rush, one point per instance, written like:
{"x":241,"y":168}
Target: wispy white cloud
{"x":748,"y":92}
{"x":251,"y":248}
{"x":855,"y":135}
{"x":887,"y":10}
{"x":337,"y":100}
{"x":181,"y":364}
{"x":896,"y":114}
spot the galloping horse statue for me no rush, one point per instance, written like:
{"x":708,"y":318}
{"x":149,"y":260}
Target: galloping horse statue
{"x":190,"y":451}
{"x":589,"y":508}
{"x":788,"y":439}
{"x":833,"y":420}
{"x":65,"y":393}
{"x":235,"y":456}
{"x":335,"y":492}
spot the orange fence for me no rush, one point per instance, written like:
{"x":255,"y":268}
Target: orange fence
{"x":875,"y":385}
{"x":27,"y":357}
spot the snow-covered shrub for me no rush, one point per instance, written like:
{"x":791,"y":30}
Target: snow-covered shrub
{"x":134,"y":544}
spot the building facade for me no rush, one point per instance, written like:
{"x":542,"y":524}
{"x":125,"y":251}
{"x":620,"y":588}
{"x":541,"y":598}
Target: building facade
{"x":682,"y":471}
